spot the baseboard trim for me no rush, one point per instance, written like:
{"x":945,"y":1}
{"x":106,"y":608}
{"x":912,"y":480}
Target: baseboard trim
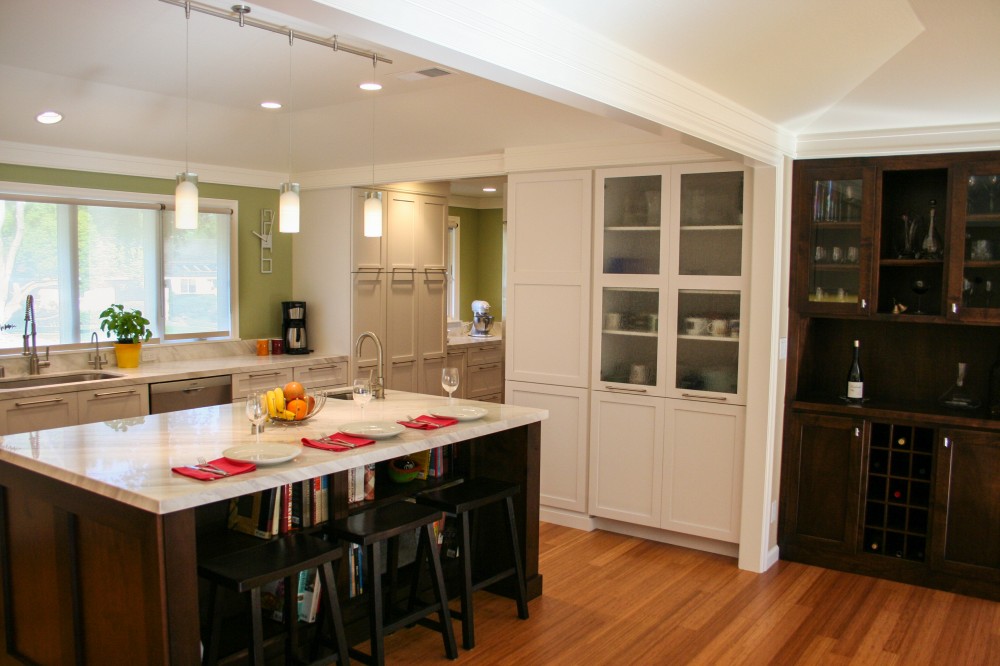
{"x":574,"y":519}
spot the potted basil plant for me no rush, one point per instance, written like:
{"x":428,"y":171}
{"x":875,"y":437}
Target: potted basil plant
{"x":129,"y":328}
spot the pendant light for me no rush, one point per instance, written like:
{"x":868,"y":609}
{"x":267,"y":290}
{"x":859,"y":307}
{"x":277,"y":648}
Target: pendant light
{"x":186,"y":194}
{"x":288,"y":202}
{"x":373,"y":200}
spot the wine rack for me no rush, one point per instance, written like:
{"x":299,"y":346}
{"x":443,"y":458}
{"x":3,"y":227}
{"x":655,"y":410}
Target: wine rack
{"x":897,"y":498}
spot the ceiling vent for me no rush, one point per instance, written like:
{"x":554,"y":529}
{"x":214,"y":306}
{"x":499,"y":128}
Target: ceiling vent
{"x":430,"y":73}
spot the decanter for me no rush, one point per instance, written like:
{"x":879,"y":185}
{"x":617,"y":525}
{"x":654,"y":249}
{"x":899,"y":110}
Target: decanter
{"x":958,"y":396}
{"x":931,"y":244}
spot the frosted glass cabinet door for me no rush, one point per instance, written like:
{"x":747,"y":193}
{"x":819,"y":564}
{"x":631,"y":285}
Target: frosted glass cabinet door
{"x":711,"y":223}
{"x":708,"y":341}
{"x":629,"y":349}
{"x":632,"y":210}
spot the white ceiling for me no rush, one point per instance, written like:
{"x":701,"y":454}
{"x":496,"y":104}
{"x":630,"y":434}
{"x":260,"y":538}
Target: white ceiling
{"x":115,"y":69}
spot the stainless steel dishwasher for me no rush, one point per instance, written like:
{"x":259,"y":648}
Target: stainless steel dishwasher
{"x":190,"y":393}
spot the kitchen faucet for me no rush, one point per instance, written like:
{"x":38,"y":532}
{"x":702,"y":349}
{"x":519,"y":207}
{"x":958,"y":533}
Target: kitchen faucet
{"x":35,"y":364}
{"x":378,"y":386}
{"x":97,"y":361}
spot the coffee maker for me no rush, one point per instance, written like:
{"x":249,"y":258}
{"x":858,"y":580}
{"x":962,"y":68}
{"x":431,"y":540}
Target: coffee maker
{"x":293,"y":327}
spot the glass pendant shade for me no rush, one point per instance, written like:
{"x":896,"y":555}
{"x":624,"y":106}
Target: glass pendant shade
{"x":186,"y":201}
{"x":288,"y":209}
{"x":373,"y":215}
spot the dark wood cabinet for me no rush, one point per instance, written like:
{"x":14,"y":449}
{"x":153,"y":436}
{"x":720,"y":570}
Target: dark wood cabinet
{"x":903,"y":254}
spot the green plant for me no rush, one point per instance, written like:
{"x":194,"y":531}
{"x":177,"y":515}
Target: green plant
{"x":128,"y":326}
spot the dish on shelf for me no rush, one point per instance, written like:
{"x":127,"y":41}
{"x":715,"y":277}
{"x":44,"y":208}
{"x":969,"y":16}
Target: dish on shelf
{"x":459,"y":412}
{"x":372,"y":429}
{"x":263,"y":454}
{"x":319,"y":403}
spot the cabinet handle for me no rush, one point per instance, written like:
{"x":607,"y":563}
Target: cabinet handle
{"x":49,"y":401}
{"x":193,"y":389}
{"x":107,"y":394}
{"x":954,"y":308}
{"x":485,"y":367}
{"x":317,"y":368}
{"x":947,"y":443}
{"x":857,"y":431}
{"x":705,"y":397}
{"x":263,"y":374}
{"x":627,"y":390}
{"x":864,"y":303}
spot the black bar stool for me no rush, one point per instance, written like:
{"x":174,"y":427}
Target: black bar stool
{"x":249,"y":570}
{"x":459,"y":501}
{"x":370,"y":529}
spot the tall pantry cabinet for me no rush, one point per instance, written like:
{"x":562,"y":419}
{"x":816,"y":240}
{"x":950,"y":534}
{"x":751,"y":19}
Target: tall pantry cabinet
{"x":399,"y":286}
{"x":626,"y":310}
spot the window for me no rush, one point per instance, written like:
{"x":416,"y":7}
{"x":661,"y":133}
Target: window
{"x":77,"y":254}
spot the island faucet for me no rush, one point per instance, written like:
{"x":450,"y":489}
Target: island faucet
{"x":97,"y":361}
{"x":378,"y":386}
{"x":35,"y":364}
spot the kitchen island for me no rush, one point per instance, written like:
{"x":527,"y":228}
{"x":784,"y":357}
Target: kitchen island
{"x":99,"y":539}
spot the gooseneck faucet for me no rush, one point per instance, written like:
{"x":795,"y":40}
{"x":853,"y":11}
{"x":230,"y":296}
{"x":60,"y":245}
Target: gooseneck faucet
{"x":378,"y":386}
{"x":35,"y":364}
{"x":97,"y":361}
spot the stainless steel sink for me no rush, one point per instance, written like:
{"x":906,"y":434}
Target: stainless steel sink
{"x":340,"y":394}
{"x":55,"y":380}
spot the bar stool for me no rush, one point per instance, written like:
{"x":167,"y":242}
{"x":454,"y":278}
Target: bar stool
{"x":249,"y":570}
{"x":371,"y":529}
{"x":460,"y":501}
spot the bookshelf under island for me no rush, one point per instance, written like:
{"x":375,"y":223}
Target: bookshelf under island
{"x":99,"y":539}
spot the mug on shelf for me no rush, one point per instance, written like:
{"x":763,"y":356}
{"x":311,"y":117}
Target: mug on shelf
{"x":613,"y":321}
{"x":638,"y":374}
{"x":982,"y":250}
{"x":734,"y":328}
{"x":837,"y":255}
{"x":718,"y":327}
{"x":696,"y":325}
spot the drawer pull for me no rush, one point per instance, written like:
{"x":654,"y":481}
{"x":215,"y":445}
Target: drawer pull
{"x":263,"y":374}
{"x":49,"y":401}
{"x":108,"y":394}
{"x":193,"y":389}
{"x":625,"y":390}
{"x":485,"y":367}
{"x":319,"y":368}
{"x":705,"y":397}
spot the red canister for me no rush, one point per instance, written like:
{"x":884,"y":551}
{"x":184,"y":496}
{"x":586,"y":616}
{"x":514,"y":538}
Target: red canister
{"x":277,"y":346}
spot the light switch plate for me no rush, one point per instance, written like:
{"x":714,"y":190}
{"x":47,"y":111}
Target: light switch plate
{"x":782,"y":349}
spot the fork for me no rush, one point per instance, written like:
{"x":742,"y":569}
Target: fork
{"x":204,"y":465}
{"x":427,"y":424}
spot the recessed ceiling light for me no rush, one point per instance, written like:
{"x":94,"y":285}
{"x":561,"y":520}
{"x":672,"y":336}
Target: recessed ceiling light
{"x":370,"y":85}
{"x":270,"y":105}
{"x":489,"y":189}
{"x":48,"y":117}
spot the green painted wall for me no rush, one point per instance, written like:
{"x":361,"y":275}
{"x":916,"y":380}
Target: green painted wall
{"x":260,"y":295}
{"x":481,"y":259}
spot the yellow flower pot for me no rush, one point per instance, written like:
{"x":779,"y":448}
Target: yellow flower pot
{"x":128,"y":354}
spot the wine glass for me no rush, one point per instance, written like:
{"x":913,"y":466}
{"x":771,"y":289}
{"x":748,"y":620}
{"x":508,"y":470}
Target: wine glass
{"x":919,"y":287}
{"x":362,"y":394}
{"x":256,"y":411}
{"x":449,"y":381}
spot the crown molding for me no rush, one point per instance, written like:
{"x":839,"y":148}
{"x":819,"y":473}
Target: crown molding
{"x":900,"y":141}
{"x":475,"y":203}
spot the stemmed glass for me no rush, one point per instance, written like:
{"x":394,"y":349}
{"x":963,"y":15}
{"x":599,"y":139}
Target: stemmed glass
{"x":256,"y":411}
{"x":362,"y":394}
{"x":919,"y":287}
{"x":449,"y":381}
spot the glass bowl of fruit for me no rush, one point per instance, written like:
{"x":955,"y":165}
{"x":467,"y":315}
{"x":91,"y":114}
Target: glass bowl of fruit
{"x":291,"y":405}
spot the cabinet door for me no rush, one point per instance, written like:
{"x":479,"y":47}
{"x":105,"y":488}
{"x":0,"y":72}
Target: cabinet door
{"x":631,"y":218}
{"x":244,"y":382}
{"x":703,"y":469}
{"x":484,"y":380}
{"x":113,"y":403}
{"x":821,"y":482}
{"x":966,"y":531}
{"x":626,"y":458}
{"x":39,"y":413}
{"x":628,"y":354}
{"x":327,"y":375}
{"x":457,"y":359}
{"x":974,"y":272}
{"x":547,"y":329}
{"x":833,"y":213}
{"x":564,"y":453}
{"x":403,"y":376}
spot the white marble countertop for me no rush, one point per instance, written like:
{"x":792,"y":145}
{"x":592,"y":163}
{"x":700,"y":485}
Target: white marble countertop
{"x":461,"y":341}
{"x":130,"y":460}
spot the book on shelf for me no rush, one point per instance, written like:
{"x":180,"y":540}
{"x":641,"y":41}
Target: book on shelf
{"x":422,"y":458}
{"x":361,"y":483}
{"x":309,"y":595}
{"x":254,"y":514}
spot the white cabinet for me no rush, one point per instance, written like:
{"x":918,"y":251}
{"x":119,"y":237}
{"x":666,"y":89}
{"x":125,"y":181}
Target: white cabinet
{"x":244,"y":382}
{"x":321,"y":375}
{"x":564,"y":441}
{"x":484,"y":373}
{"x":548,"y":267}
{"x":399,"y":290}
{"x":113,"y":403}
{"x":39,"y":413}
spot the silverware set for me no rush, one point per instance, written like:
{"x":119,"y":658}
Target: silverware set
{"x":205,"y":466}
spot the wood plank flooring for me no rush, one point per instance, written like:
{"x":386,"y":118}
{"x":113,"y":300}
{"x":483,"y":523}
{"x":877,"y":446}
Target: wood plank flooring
{"x":612,"y":599}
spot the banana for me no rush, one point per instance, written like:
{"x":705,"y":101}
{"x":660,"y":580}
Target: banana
{"x":272,"y":410}
{"x":287,"y":416}
{"x":279,"y":400}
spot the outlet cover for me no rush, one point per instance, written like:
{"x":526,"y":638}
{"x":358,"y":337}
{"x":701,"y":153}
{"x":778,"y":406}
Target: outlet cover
{"x":148,"y":355}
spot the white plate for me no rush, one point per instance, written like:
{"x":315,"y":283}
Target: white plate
{"x":265,"y":454}
{"x":462,"y":413}
{"x":372,"y":429}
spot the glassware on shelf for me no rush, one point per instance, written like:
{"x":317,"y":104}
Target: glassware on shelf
{"x":908,"y":237}
{"x":931,"y":246}
{"x":919,"y":287}
{"x":958,"y":396}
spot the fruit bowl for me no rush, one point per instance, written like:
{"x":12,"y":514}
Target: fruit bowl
{"x":319,"y":401}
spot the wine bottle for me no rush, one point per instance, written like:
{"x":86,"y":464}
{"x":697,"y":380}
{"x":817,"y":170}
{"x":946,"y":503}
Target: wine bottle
{"x":855,"y":383}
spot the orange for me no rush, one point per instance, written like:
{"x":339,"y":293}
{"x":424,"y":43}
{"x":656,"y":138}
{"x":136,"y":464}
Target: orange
{"x":293,"y":391}
{"x":299,"y":407}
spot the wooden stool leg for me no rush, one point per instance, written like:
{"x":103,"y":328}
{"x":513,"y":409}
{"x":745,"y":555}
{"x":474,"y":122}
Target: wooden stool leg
{"x":333,"y":610}
{"x":415,"y":585}
{"x":468,"y":624}
{"x":392,"y":569}
{"x":256,"y":629}
{"x":448,"y":635}
{"x":375,"y":612}
{"x":212,"y":641}
{"x":521,"y":592}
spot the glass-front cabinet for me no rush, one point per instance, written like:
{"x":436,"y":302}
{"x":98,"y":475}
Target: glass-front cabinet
{"x":974,"y":290}
{"x":836,"y":239}
{"x":671,"y":247}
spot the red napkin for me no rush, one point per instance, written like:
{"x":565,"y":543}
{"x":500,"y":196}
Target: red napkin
{"x":425,"y":422}
{"x":334,"y":442}
{"x":225,"y":464}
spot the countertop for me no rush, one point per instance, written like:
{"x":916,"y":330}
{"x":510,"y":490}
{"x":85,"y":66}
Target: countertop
{"x":464,"y":341}
{"x":130,"y":460}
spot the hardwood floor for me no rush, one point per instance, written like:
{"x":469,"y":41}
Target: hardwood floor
{"x":612,"y":599}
